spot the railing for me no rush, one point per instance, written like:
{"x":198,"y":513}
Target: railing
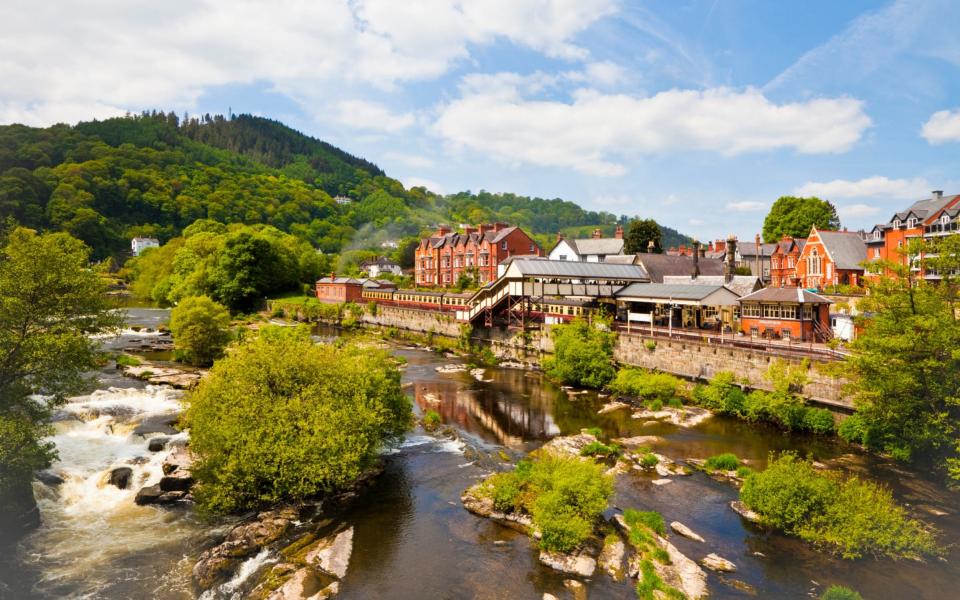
{"x":732,"y":340}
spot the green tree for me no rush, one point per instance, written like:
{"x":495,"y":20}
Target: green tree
{"x":51,"y":304}
{"x":905,"y":368}
{"x":582,"y":354}
{"x":200,"y":329}
{"x":794,"y":217}
{"x":281,"y":418}
{"x":639,"y":235}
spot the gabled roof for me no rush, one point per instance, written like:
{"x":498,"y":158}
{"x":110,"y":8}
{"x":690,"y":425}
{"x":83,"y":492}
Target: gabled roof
{"x":846,"y":248}
{"x":778,"y":294}
{"x":621,"y":259}
{"x":716,"y":295}
{"x":527,"y":267}
{"x":590,"y":246}
{"x":926,"y":208}
{"x":660,"y":265}
{"x":741,"y":285}
{"x":495,"y":236}
{"x":751,"y":250}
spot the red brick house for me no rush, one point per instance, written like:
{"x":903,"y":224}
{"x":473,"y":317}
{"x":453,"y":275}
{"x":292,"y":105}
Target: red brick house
{"x":783,"y":262}
{"x":441,"y":258}
{"x":338,"y":290}
{"x":831,"y":258}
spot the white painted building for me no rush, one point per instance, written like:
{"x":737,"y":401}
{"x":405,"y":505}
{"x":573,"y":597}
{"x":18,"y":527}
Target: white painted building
{"x":594,"y":249}
{"x":139,"y":244}
{"x":379,"y":267}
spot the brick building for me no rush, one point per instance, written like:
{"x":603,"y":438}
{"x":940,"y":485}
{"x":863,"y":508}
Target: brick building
{"x":783,"y":262}
{"x":830,"y":258}
{"x":441,"y":258}
{"x":785,"y":313}
{"x":338,"y":290}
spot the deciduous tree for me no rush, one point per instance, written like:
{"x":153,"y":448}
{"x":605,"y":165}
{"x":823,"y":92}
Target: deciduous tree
{"x":792,"y":216}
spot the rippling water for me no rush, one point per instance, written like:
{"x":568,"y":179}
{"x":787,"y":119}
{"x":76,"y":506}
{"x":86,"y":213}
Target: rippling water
{"x":412,"y":537}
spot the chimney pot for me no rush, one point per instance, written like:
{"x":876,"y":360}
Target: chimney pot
{"x":650,"y":247}
{"x":597,"y":234}
{"x":619,"y":233}
{"x":937,"y":194}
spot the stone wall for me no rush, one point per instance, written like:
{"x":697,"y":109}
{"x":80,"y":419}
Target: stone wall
{"x":414,"y":319}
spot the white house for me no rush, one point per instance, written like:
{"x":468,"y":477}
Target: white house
{"x":381,"y":266}
{"x":593,"y":249}
{"x":139,"y":244}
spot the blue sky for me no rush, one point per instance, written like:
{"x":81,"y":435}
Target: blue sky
{"x":697,"y":113}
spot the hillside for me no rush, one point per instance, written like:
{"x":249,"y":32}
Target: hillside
{"x":154,"y":174}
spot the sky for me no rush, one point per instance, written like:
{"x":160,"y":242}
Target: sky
{"x":696,"y":113}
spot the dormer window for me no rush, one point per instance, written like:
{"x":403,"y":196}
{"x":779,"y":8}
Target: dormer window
{"x":896,"y":223}
{"x":911,"y":222}
{"x":876,"y":234}
{"x":945,"y":220}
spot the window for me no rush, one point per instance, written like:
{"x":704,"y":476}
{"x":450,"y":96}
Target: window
{"x":751,"y":310}
{"x":911,"y":222}
{"x":563,"y":257}
{"x":533,"y":248}
{"x":807,"y":312}
{"x":945,"y":220}
{"x":876,"y":252}
{"x":785,"y":334}
{"x":504,"y":245}
{"x":814,"y":262}
{"x":896,"y":223}
{"x":876,"y":234}
{"x":754,"y":331}
{"x":899,"y":243}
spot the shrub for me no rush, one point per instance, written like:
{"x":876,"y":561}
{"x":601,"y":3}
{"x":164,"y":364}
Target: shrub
{"x":655,"y":405}
{"x":819,"y":421}
{"x":647,"y":385}
{"x":431,"y":419}
{"x":284,"y":419}
{"x":850,"y":516}
{"x":743,"y":472}
{"x":649,"y":460}
{"x":853,"y":429}
{"x":721,"y":395}
{"x":200,"y":330}
{"x":650,"y":345}
{"x":563,"y":495}
{"x":723,"y":462}
{"x":600,"y":449}
{"x":595,"y":432}
{"x":838,"y":592}
{"x":583,"y":354}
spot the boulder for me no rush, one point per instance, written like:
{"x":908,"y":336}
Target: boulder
{"x":49,"y":478}
{"x":332,"y":554}
{"x":120,"y":477}
{"x":685,"y":531}
{"x":157,"y":444}
{"x":163,"y":424}
{"x":300,"y":586}
{"x":662,"y":481}
{"x":681,"y":573}
{"x":718,"y":563}
{"x":178,"y":481}
{"x":148,"y":495}
{"x":639,"y":441}
{"x":611,"y":559}
{"x":741,"y":509}
{"x":575,"y":563}
{"x":576,"y":588}
{"x":569,"y":445}
{"x":21,"y":514}
{"x":612,"y":407}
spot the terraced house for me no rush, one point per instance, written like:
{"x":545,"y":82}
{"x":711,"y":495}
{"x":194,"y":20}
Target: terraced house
{"x":443,"y":257}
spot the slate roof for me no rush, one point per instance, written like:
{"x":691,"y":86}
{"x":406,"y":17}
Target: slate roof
{"x":621,"y":259}
{"x":741,"y":285}
{"x":367,"y":283}
{"x":455,"y":238}
{"x":591,"y":246}
{"x":666,"y":291}
{"x":659,"y":266}
{"x":925,"y":208}
{"x":577,"y":270}
{"x":751,"y":250}
{"x":778,"y":294}
{"x":846,"y":248}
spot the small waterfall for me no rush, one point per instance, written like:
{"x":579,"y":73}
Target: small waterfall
{"x":248,"y":568}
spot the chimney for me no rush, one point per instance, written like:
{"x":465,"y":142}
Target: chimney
{"x":651,"y":247}
{"x":559,"y":236}
{"x":756,"y":239}
{"x":731,"y":258}
{"x":696,"y":259}
{"x":619,"y":233}
{"x":937,"y":194}
{"x":597,"y":234}
{"x":480,"y":229}
{"x":703,"y":252}
{"x":333,"y":276}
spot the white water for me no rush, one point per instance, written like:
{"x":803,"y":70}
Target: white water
{"x":88,"y":524}
{"x":247,"y":569}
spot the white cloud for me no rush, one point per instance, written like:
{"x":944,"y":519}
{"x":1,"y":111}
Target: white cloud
{"x":433,"y":186}
{"x":599,"y":74}
{"x":942,"y":126}
{"x":588,"y":132}
{"x":410,"y":160}
{"x":746,"y":206}
{"x":695,"y":222}
{"x":870,"y":187}
{"x":853,"y":211}
{"x":61,"y":59}
{"x":370,"y":115}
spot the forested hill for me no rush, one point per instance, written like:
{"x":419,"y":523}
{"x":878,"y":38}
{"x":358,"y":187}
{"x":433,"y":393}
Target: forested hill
{"x":154,"y":174}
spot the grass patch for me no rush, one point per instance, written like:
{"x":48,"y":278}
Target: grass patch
{"x":600,"y":449}
{"x":125,"y":360}
{"x":849,"y":516}
{"x":646,"y":518}
{"x":723,"y":462}
{"x":838,"y":592}
{"x":431,"y":420}
{"x":642,"y":525}
{"x":649,"y":460}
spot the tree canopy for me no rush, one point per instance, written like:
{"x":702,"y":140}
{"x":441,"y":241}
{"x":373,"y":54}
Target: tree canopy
{"x":792,"y":216}
{"x":282,"y":418}
{"x":639,"y":235}
{"x":200,"y":329}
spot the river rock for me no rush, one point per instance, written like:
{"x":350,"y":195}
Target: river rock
{"x":688,"y":416}
{"x":157,"y":444}
{"x":300,"y":586}
{"x":480,"y":375}
{"x":639,"y":441}
{"x":611,"y":559}
{"x":548,"y":596}
{"x":49,"y":478}
{"x":452,"y":368}
{"x":576,"y":563}
{"x":576,"y":588}
{"x":612,"y":407}
{"x":332,"y":554}
{"x":741,"y":509}
{"x":482,"y":506}
{"x":681,"y":572}
{"x":176,"y":471}
{"x":718,"y":563}
{"x":148,"y":495}
{"x":21,"y":514}
{"x":120,"y":477}
{"x":163,"y":424}
{"x":569,"y":445}
{"x":661,"y":481}
{"x":685,"y":531}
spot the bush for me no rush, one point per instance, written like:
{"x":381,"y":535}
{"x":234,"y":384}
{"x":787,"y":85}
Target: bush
{"x":649,"y":519}
{"x":647,"y":385}
{"x":721,"y":395}
{"x":200,"y":330}
{"x":125,"y":360}
{"x":600,"y":449}
{"x":649,"y":460}
{"x":430,"y":420}
{"x":743,"y":472}
{"x":563,"y":495}
{"x":583,"y":354}
{"x":650,"y":345}
{"x":819,"y":421}
{"x":853,"y":429}
{"x":723,"y":462}
{"x":850,"y":516}
{"x":284,"y":419}
{"x":838,"y":592}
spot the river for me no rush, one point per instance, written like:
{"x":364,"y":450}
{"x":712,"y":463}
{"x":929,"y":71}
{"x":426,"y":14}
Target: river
{"x":412,"y":537}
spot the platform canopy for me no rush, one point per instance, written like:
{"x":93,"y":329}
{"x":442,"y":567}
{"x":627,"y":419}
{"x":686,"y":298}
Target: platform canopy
{"x":690,"y":295}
